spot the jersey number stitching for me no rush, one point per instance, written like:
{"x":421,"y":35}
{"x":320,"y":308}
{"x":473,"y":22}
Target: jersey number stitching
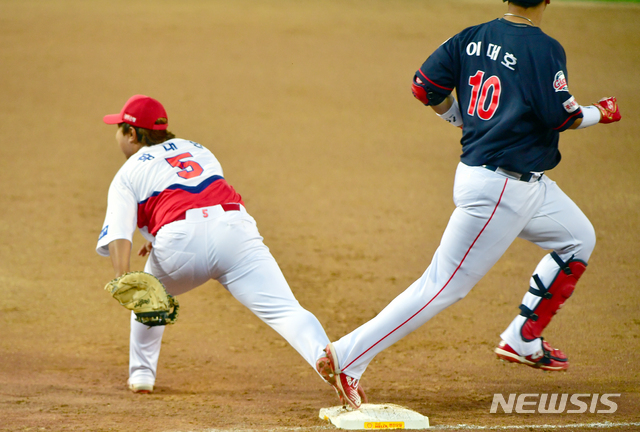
{"x":189,"y":169}
{"x":479,"y":93}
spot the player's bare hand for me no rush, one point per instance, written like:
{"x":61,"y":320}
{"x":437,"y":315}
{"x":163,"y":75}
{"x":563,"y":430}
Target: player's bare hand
{"x":609,"y":110}
{"x":145,"y":249}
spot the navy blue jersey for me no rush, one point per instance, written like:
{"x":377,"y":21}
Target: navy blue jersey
{"x":511,"y":84}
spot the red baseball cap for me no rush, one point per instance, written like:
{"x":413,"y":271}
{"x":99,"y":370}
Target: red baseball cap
{"x":140,"y":111}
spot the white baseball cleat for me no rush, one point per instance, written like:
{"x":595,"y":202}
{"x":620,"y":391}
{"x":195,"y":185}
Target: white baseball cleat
{"x":142,"y":388}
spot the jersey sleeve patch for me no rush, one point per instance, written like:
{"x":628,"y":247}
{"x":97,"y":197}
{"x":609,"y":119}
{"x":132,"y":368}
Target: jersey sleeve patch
{"x":570,"y":105}
{"x":104,"y":232}
{"x":560,"y":82}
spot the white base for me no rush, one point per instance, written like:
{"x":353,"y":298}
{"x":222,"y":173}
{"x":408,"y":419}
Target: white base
{"x":374,"y":416}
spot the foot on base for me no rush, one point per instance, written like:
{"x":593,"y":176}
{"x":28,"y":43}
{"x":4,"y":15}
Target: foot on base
{"x":349,"y":392}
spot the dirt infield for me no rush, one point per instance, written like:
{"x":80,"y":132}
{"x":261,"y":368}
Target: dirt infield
{"x":308,"y":107}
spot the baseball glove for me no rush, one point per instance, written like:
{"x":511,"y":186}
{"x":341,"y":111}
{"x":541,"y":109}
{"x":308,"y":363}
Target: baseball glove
{"x":145,"y":295}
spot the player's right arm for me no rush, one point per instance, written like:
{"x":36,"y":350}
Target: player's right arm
{"x":556,"y":107}
{"x":606,"y":110}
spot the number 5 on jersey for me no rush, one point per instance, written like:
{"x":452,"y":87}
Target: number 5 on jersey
{"x":189,"y":169}
{"x":479,"y":94}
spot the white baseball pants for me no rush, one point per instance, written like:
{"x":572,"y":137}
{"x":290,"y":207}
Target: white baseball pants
{"x":227,"y":247}
{"x":492,"y":209}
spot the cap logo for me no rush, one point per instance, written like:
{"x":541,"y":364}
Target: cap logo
{"x":133,"y":119}
{"x":560,"y":82}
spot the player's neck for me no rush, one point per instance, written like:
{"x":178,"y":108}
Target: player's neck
{"x":529,"y":16}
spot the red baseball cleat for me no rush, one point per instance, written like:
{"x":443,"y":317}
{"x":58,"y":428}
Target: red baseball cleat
{"x":548,"y":359}
{"x":349,"y":392}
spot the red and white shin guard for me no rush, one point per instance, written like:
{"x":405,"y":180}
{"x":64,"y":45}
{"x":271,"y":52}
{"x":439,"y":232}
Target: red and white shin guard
{"x":542,"y":301}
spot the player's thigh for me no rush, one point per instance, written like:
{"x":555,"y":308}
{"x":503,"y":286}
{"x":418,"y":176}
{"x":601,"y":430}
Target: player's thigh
{"x":561,"y":226}
{"x":233,"y":241}
{"x":486,"y":194}
{"x":471,"y":245}
{"x":258,"y":283}
{"x":491,"y":211}
{"x":177,"y":258}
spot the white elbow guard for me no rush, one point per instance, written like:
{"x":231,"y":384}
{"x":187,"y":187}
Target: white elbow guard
{"x":591,"y":116}
{"x":453,"y":115}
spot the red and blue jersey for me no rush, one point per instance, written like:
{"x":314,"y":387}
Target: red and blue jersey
{"x":511,"y":85}
{"x":157,"y":185}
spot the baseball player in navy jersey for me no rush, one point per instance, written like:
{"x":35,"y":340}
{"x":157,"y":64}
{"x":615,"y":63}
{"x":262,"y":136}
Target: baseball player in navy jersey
{"x":512,"y":103}
{"x":197,"y":228}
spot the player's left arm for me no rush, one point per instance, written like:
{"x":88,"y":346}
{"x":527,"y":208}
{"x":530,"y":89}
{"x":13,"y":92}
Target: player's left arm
{"x":121,"y":217}
{"x":120,"y":252}
{"x":427,"y":91}
{"x":433,"y":83}
{"x":449,"y":111}
{"x":445,"y":106}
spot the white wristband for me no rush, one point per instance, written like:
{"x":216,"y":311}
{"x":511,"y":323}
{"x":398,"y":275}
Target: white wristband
{"x":453,"y":115}
{"x":591,"y":116}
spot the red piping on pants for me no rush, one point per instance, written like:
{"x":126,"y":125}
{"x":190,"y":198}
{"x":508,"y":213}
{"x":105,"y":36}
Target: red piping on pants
{"x":445,"y":285}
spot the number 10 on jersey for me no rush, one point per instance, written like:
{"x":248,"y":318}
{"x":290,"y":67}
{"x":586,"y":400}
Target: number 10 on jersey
{"x":479,"y":95}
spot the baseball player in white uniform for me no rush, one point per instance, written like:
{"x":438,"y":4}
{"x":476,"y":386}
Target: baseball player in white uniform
{"x":197,"y":228}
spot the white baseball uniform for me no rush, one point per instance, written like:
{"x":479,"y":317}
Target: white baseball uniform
{"x":175,"y":193}
{"x":492,"y":211}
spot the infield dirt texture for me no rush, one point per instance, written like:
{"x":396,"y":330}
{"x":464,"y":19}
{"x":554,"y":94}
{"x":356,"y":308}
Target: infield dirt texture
{"x":307,"y":104}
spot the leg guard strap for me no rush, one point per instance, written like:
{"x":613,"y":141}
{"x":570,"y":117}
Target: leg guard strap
{"x":528,"y":313}
{"x":551,"y":298}
{"x":564,"y":266}
{"x":540,"y":289}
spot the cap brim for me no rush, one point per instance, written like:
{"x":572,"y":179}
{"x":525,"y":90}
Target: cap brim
{"x":113,"y":119}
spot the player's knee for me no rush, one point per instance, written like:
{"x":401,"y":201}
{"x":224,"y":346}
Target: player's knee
{"x":582,"y":243}
{"x":586,"y":243}
{"x":459,"y":295}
